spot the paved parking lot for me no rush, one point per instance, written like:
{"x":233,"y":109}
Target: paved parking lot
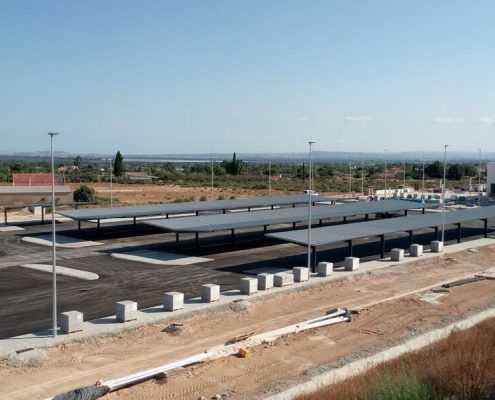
{"x":26,"y":294}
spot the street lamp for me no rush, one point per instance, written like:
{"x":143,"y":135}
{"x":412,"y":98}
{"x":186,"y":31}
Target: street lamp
{"x":111,"y":181}
{"x":350,"y":178}
{"x":423,"y":181}
{"x":479,"y":179}
{"x":212,"y":172}
{"x":309,"y":206}
{"x":385,"y":174}
{"x":362,"y":177}
{"x":270,"y":174}
{"x":443,"y":190}
{"x":54,"y":251}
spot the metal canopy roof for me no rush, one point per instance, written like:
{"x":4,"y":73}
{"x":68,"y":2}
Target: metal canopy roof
{"x":185,"y":208}
{"x":339,"y":233}
{"x":219,"y":222}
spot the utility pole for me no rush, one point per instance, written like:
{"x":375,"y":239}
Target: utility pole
{"x":54,"y":242}
{"x":309,"y":206}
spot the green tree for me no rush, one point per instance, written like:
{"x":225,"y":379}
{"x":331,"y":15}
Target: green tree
{"x":434,"y":170}
{"x":234,"y":167}
{"x":78,"y":161}
{"x":84,"y":194}
{"x":118,"y":165}
{"x":455,"y":172}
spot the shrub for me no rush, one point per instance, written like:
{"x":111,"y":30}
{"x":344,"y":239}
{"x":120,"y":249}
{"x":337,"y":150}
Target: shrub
{"x":84,"y":194}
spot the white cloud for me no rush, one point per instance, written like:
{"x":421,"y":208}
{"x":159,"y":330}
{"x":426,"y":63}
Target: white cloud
{"x":447,"y":120}
{"x":361,"y":119}
{"x":486,"y":120}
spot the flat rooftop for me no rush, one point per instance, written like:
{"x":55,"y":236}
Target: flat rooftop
{"x":186,"y":207}
{"x":219,"y":222}
{"x":340,"y":233}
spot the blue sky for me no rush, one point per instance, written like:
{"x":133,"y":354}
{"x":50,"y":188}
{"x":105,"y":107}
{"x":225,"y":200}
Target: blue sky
{"x":247,"y":76}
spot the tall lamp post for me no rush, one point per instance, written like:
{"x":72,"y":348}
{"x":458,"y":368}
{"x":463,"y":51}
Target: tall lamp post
{"x":443,"y":190}
{"x":54,"y":251}
{"x":309,"y":205}
{"x":385,"y":174}
{"x":362,"y":177}
{"x":212,"y":172}
{"x":111,"y":182}
{"x":479,"y":179}
{"x":270,"y":174}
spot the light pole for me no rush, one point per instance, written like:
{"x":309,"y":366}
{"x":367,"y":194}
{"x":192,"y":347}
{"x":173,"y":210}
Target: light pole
{"x":270,"y":174}
{"x":111,"y":181}
{"x":309,"y":206}
{"x":385,"y":174}
{"x":212,"y":172}
{"x":443,"y":190}
{"x":423,"y":183}
{"x":404,"y":164}
{"x":54,"y":251}
{"x":479,"y":179}
{"x":350,"y":178}
{"x":362,"y":177}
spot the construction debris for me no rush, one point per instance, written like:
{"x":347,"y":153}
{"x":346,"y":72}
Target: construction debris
{"x":243,"y":353}
{"x":463,"y":281}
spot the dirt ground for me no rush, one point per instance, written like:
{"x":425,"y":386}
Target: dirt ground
{"x":126,"y":194}
{"x":390,"y":312}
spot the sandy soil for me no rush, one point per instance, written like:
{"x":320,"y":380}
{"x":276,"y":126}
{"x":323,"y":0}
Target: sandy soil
{"x":148,"y":193}
{"x":79,"y":364}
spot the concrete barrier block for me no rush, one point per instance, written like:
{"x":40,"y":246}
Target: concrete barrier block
{"x":210,"y":292}
{"x":265,"y":281}
{"x":249,"y":285}
{"x":436,"y":246}
{"x":324,"y":268}
{"x":301,"y":274}
{"x":173,"y":301}
{"x":416,"y":250}
{"x":351,"y":263}
{"x":71,"y":321}
{"x":126,"y":311}
{"x":283,"y":279}
{"x":397,"y":254}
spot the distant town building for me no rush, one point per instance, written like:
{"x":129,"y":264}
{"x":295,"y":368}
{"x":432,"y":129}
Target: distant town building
{"x":36,"y":179}
{"x":137,"y":177}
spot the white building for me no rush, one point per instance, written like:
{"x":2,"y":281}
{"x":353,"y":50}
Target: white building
{"x":490,"y":178}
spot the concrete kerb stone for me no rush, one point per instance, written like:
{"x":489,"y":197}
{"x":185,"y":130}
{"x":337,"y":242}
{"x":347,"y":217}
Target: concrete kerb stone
{"x":71,"y":321}
{"x":416,"y":250}
{"x":351,"y":263}
{"x":436,"y":246}
{"x":210,"y":293}
{"x":397,"y":254}
{"x":104,"y":326}
{"x":173,"y":301}
{"x":265,"y":281}
{"x":249,"y":285}
{"x":283,"y":279}
{"x":125,"y":311}
{"x":301,"y":274}
{"x":325,"y":268}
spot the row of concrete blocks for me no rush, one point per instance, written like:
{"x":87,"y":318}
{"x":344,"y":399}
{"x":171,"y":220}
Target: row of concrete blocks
{"x":72,"y":321}
{"x":415,"y":250}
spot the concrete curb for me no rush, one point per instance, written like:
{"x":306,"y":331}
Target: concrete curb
{"x":362,"y":365}
{"x":109,"y":325}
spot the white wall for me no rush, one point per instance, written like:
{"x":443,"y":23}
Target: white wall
{"x":490,"y":178}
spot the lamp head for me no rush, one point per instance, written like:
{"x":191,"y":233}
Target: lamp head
{"x":52,"y":134}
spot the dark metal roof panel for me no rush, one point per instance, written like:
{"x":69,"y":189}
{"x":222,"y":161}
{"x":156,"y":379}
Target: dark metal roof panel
{"x":187,"y":207}
{"x":338,"y":233}
{"x":218,"y":222}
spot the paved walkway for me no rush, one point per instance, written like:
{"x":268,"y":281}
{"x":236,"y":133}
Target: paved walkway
{"x":109,"y":325}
